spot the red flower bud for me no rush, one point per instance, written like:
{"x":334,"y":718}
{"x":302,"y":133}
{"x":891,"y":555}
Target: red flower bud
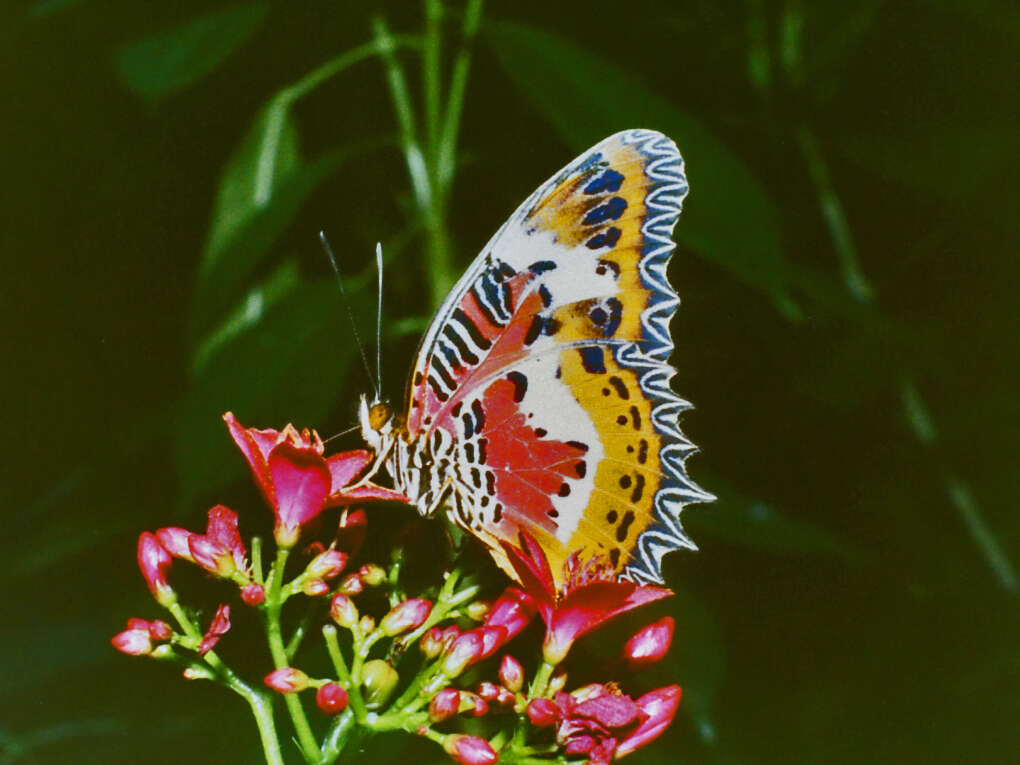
{"x":154,"y":560}
{"x":450,"y":634}
{"x":444,"y":705}
{"x":159,"y":630}
{"x":479,"y":706}
{"x":351,"y":584}
{"x":492,"y":639}
{"x":478,"y":610}
{"x":366,"y":624}
{"x":506,"y":698}
{"x":488,"y":691}
{"x":465,"y":649}
{"x":649,"y":644}
{"x":287,"y":680}
{"x":511,"y":673}
{"x":253,"y":594}
{"x":326,"y":565}
{"x":405,"y":616}
{"x":343,"y":611}
{"x":331,"y":698}
{"x":470,"y":750}
{"x":313,"y":588}
{"x":542,"y":712}
{"x":133,"y":642}
{"x":660,"y":707}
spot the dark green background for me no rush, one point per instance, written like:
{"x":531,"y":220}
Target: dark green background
{"x":855,"y":596}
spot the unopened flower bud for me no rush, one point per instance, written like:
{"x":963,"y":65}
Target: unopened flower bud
{"x":198,"y":673}
{"x":431,"y":643}
{"x":450,"y":634}
{"x":287,"y":680}
{"x":492,"y":639}
{"x":542,"y":712}
{"x":649,"y":644}
{"x":469,"y":750}
{"x":444,"y":705}
{"x":511,"y":673}
{"x":557,"y":682}
{"x":326,"y":565}
{"x":162,"y":652}
{"x":154,"y":560}
{"x":488,"y":691}
{"x":379,"y":679}
{"x":351,"y":585}
{"x":514,"y":610}
{"x":405,"y":616}
{"x":464,"y":650}
{"x":366,"y":624}
{"x":478,"y":610}
{"x":506,"y":698}
{"x":160,"y":630}
{"x":253,"y":594}
{"x":133,"y":642}
{"x":477,"y":706}
{"x":372,"y":575}
{"x":313,"y":588}
{"x":343,"y":611}
{"x":331,"y":698}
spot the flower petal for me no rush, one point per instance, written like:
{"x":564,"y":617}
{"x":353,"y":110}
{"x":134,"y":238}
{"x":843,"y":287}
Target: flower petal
{"x":592,"y":605}
{"x":255,"y":445}
{"x":368,"y":491}
{"x":660,"y":706}
{"x":300,"y":480}
{"x":345,"y":467}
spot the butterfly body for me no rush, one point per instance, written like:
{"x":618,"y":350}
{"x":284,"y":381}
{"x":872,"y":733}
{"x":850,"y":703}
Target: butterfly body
{"x":540,"y":398}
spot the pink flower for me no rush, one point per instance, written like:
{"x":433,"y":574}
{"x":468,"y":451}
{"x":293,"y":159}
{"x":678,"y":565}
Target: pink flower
{"x":154,"y":561}
{"x":219,"y":551}
{"x":287,"y":680}
{"x":542,"y":712}
{"x":470,"y":750}
{"x":351,"y":533}
{"x":659,"y":707}
{"x":592,"y":721}
{"x":331,"y":698}
{"x":649,"y":644}
{"x":590,"y":597}
{"x":296,"y":479}
{"x":219,"y":626}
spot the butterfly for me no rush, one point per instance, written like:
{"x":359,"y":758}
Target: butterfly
{"x":540,"y":399}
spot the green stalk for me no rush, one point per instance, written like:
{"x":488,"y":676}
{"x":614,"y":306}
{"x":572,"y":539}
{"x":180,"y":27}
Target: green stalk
{"x":342,"y":673}
{"x":274,"y":603}
{"x":455,"y":102}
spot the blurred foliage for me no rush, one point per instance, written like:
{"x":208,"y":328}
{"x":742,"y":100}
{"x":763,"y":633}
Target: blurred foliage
{"x":847,"y":263}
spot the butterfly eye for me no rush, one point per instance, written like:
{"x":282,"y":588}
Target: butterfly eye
{"x":379,"y":415}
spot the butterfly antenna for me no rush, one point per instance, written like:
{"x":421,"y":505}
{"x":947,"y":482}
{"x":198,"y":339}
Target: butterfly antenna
{"x":350,"y":313}
{"x":341,"y":433}
{"x":378,"y":317}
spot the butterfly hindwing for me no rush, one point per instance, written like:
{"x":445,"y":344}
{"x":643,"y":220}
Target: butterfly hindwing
{"x":542,"y":387}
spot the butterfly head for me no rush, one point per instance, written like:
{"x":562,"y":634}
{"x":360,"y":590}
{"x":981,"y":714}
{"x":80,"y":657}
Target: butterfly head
{"x":377,"y":421}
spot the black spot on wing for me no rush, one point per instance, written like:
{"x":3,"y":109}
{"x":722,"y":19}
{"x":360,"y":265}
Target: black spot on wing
{"x":610,"y":210}
{"x":621,"y":530}
{"x":520,"y":383}
{"x":608,"y":180}
{"x":593,"y":360}
{"x":607,"y":238}
{"x":474,"y":333}
{"x":621,"y":388}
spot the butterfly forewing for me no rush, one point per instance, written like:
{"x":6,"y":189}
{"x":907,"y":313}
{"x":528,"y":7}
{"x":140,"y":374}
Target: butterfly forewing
{"x":541,"y":393}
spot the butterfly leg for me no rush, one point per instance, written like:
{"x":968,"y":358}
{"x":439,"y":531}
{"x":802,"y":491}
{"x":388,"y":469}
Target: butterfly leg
{"x":377,"y":463}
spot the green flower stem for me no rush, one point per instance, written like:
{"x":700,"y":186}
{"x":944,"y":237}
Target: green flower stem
{"x":256,"y":560}
{"x":274,"y":604}
{"x":343,"y":733}
{"x":342,"y":673}
{"x":260,"y":703}
{"x":540,"y":684}
{"x":431,"y":74}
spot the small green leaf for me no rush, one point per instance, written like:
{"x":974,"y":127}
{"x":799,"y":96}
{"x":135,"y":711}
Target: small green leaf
{"x":728,"y":216}
{"x":171,"y":61}
{"x":284,"y":367}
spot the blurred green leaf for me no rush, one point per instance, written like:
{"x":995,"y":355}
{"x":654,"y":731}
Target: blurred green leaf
{"x":285,"y":367}
{"x":46,"y":7}
{"x":697,"y":660}
{"x":728,"y":217}
{"x":170,"y":61}
{"x":739,"y":519}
